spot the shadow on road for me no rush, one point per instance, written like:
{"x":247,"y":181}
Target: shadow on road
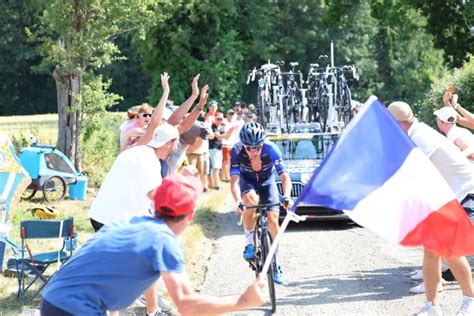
{"x":379,"y":284}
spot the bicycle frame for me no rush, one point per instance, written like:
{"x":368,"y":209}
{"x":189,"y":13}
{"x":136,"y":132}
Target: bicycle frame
{"x":262,"y":244}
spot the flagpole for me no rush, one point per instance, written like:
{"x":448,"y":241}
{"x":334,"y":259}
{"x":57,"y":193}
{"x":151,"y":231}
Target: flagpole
{"x":290,"y":216}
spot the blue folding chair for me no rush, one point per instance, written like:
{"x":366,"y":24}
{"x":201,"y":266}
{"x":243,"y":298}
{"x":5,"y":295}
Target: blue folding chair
{"x":27,"y":261}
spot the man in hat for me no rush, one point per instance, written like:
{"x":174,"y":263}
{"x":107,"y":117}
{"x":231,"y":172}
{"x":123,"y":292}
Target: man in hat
{"x":446,"y":119}
{"x":459,"y":174}
{"x":109,"y":271}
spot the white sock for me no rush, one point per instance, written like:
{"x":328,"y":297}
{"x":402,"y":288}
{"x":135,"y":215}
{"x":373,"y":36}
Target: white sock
{"x":249,"y":236}
{"x":444,"y":266}
{"x":151,"y":314}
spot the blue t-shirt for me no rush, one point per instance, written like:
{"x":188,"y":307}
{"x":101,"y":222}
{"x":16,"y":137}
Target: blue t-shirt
{"x":271,"y":157}
{"x":115,"y":266}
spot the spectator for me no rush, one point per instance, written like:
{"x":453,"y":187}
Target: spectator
{"x":252,"y":108}
{"x":465,"y":118}
{"x":356,"y":107}
{"x":227,"y":144}
{"x":446,"y":120}
{"x":189,"y":136}
{"x":132,"y":113}
{"x":237,"y":107}
{"x":210,"y":116}
{"x":215,"y":149}
{"x":136,"y":127}
{"x":122,"y":260}
{"x":459,"y":174}
{"x":251,"y":117}
{"x":197,"y":154}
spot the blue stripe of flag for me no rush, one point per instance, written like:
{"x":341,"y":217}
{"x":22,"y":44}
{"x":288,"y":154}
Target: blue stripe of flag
{"x":368,"y":153}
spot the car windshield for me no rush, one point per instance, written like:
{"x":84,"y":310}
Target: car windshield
{"x":315,"y":148}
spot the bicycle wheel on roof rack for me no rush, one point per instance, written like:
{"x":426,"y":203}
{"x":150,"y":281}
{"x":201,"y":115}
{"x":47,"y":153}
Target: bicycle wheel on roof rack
{"x":323,"y":107}
{"x":346,"y":107}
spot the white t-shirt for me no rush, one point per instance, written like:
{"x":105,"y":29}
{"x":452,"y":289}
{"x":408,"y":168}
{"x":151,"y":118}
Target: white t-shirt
{"x":465,"y":135}
{"x":123,"y":193}
{"x":447,"y":158}
{"x":236,"y":135}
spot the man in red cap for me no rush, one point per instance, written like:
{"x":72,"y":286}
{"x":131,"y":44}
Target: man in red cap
{"x":126,"y":257}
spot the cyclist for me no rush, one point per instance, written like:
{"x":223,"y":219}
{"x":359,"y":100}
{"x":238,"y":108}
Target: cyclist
{"x":252,"y":179}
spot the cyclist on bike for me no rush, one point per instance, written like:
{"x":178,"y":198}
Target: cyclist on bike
{"x":252,"y":180}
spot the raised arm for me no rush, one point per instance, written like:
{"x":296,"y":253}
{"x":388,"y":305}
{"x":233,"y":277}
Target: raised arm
{"x":186,"y":124}
{"x":158,"y":112}
{"x":183,"y":109}
{"x":465,"y":118}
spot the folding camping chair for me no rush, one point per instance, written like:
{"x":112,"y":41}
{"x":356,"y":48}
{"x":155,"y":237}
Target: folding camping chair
{"x":63,"y":234}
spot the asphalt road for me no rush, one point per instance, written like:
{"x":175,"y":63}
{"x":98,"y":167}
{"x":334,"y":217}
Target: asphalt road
{"x":328,"y":269}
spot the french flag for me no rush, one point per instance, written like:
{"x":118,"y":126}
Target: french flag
{"x":385,"y":183}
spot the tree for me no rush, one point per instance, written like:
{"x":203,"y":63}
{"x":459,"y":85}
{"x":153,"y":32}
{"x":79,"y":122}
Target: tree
{"x":198,"y":37}
{"x":406,"y":59}
{"x":77,"y":39}
{"x":450,"y":22}
{"x":21,"y":90}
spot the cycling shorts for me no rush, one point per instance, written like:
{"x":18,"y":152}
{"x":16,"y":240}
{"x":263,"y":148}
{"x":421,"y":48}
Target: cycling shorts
{"x":266,"y":190}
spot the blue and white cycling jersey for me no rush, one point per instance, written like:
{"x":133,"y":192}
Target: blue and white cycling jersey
{"x":271,"y":157}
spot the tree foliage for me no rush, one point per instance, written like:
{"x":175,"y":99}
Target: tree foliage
{"x":400,"y":47}
{"x":77,"y":39}
{"x":21,"y":90}
{"x":450,"y":22}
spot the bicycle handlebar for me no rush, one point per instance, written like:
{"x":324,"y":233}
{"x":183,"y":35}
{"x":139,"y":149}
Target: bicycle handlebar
{"x":244,"y":207}
{"x":263,"y":205}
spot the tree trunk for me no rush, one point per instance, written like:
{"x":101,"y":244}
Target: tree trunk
{"x":68,"y":88}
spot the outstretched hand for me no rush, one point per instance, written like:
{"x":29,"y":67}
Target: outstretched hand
{"x":204,"y":96}
{"x":254,"y":295}
{"x":164,"y":81}
{"x":195,"y":86}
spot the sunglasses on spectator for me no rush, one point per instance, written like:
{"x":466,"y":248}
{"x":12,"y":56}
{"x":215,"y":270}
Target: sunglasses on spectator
{"x":253,"y":148}
{"x":219,"y":118}
{"x":146,"y":114}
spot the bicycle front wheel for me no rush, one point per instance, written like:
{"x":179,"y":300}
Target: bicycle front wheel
{"x":266,"y":243}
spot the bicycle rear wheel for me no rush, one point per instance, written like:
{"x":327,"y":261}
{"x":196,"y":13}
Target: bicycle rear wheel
{"x":266,"y":243}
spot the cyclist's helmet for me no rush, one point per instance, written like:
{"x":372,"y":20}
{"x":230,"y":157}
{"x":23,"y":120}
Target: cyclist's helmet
{"x":252,"y":134}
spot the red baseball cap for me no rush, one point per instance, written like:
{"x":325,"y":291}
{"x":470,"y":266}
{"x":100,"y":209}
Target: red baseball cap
{"x":177,"y":195}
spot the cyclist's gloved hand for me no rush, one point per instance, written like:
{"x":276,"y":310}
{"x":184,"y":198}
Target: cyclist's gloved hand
{"x":240,"y":208}
{"x":286,"y":202}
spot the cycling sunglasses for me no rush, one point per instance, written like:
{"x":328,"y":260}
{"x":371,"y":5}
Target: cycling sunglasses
{"x":253,"y":148}
{"x":146,"y":114}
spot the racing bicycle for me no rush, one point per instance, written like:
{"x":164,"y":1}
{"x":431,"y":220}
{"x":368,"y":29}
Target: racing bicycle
{"x":262,"y":242}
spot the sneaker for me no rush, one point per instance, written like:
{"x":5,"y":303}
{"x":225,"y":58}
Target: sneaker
{"x":163,"y":304}
{"x":420,"y":288}
{"x":467,"y":307}
{"x":448,"y":275}
{"x":249,"y":253}
{"x":417,"y":275}
{"x":277,"y":277}
{"x":429,"y":310}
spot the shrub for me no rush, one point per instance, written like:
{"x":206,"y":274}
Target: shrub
{"x":100,"y":148}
